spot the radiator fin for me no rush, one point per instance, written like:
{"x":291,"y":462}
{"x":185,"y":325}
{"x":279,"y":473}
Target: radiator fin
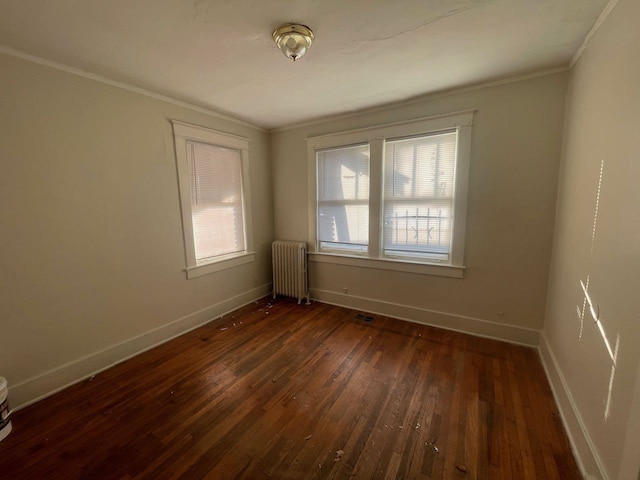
{"x":290,"y":269}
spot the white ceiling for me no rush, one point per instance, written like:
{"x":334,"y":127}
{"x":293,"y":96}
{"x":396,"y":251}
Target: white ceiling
{"x":219,"y":54}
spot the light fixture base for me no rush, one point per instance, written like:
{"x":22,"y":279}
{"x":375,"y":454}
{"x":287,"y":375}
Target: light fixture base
{"x":293,"y":39}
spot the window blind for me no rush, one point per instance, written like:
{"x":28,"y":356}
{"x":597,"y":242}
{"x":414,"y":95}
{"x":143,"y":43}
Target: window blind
{"x":418,"y":199}
{"x":343,"y":198}
{"x":216,"y":199}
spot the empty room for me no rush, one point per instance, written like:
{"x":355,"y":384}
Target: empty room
{"x":320,"y":239}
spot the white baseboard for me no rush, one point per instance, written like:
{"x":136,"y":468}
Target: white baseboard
{"x":583,"y":448}
{"x":449,"y":321}
{"x":41,"y":386}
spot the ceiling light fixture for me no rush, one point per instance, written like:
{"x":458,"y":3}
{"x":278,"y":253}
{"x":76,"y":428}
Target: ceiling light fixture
{"x":293,"y":39}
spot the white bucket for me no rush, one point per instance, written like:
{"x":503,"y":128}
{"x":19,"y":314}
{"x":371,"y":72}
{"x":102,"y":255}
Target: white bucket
{"x":5,"y":412}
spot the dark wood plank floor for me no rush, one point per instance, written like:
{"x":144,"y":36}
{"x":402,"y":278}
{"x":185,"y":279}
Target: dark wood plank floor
{"x":301,"y":392}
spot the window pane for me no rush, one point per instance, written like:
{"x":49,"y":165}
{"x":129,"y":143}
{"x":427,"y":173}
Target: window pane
{"x":343,"y":174}
{"x":417,"y":228}
{"x":343,"y":198}
{"x":418,"y":196}
{"x":216,"y":199}
{"x":345,"y":224}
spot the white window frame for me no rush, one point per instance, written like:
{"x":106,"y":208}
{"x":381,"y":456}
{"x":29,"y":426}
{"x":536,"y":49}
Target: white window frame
{"x":183,"y":132}
{"x":375,"y":136}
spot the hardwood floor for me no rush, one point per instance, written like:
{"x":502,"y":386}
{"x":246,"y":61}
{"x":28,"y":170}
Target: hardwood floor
{"x":301,"y":392}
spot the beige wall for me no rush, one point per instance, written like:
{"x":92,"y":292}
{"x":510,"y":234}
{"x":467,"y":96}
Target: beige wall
{"x":513,"y":175}
{"x":91,"y":245}
{"x":602,"y":131}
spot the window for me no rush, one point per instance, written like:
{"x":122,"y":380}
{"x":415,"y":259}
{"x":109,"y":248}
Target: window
{"x":343,"y":198}
{"x":213,"y":180}
{"x":418,"y":196}
{"x":392,"y":195}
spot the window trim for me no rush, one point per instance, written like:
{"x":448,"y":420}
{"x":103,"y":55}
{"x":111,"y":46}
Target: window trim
{"x":183,"y":132}
{"x":392,"y":264}
{"x":375,"y":136}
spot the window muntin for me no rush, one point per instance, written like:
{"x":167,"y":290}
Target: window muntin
{"x":418,"y":199}
{"x":217,"y":211}
{"x":343,"y":198}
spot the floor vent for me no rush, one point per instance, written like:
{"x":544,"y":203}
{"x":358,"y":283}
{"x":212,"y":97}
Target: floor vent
{"x":366,"y":318}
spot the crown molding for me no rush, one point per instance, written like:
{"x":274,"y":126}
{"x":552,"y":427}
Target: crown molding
{"x":601,"y":19}
{"x":380,"y":108}
{"x":427,"y":97}
{"x":125,"y":86}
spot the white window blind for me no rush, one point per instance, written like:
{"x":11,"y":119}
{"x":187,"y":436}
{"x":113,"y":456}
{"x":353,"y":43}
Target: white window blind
{"x":418,"y":200}
{"x":343,"y":198}
{"x":216,"y":200}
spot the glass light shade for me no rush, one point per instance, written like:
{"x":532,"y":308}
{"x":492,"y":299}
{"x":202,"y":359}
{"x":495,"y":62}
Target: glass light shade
{"x":293,"y":40}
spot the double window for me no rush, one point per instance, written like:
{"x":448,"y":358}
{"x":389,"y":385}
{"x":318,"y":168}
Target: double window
{"x":396,"y":192}
{"x":213,"y":180}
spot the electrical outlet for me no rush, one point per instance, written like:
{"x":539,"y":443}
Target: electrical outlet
{"x":345,"y":290}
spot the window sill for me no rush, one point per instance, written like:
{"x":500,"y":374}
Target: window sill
{"x":420,"y":268}
{"x":219,"y":265}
